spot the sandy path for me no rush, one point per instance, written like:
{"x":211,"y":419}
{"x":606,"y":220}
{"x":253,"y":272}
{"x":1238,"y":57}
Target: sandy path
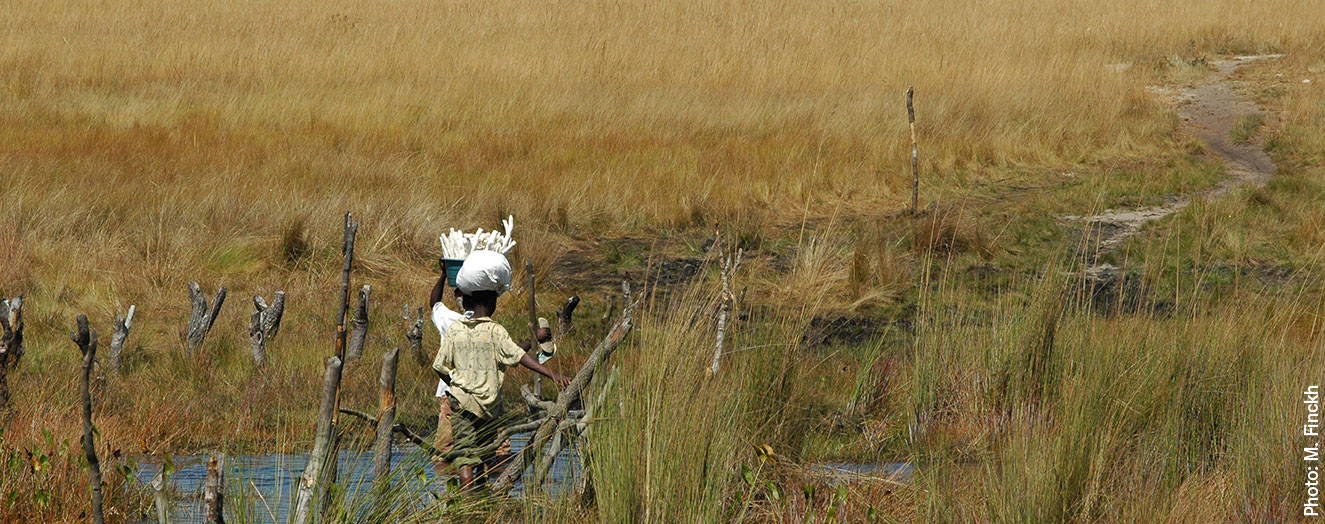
{"x":1209,"y":111}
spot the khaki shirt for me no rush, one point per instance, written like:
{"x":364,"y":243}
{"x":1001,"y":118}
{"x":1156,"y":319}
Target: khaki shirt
{"x":475,"y":355}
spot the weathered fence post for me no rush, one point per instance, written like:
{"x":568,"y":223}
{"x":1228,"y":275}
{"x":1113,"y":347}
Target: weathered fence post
{"x":915,"y":154}
{"x":202,"y":317}
{"x":729,"y":266}
{"x":360,"y":326}
{"x":11,"y":342}
{"x":385,"y":421}
{"x":214,"y":491}
{"x":159,"y":494}
{"x":324,"y":444}
{"x":414,"y":333}
{"x":117,"y":337}
{"x":347,"y":249}
{"x":86,"y":339}
{"x":264,"y":324}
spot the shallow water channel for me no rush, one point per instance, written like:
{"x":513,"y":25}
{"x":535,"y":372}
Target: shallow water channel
{"x":267,"y":481}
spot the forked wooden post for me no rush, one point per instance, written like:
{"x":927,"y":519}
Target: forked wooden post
{"x":915,"y":155}
{"x":202,"y":317}
{"x":86,"y":340}
{"x":386,"y":394}
{"x":117,"y":337}
{"x":264,"y":324}
{"x":729,"y":267}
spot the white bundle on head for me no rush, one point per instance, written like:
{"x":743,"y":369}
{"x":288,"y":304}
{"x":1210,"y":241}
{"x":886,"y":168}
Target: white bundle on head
{"x":459,"y":244}
{"x":484,"y":270}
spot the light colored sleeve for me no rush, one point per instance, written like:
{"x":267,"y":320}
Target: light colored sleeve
{"x":508,"y":353}
{"x":442,"y":317}
{"x":444,"y":360}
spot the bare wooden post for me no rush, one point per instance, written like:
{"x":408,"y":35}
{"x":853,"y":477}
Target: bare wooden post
{"x":11,"y":342}
{"x":86,"y":339}
{"x":324,"y":442}
{"x":729,"y":266}
{"x":159,"y":493}
{"x":347,"y":249}
{"x":414,"y":333}
{"x":533,"y":322}
{"x":202,"y":317}
{"x":359,"y":333}
{"x":264,"y":324}
{"x":117,"y":337}
{"x":564,"y":315}
{"x":214,"y":491}
{"x":915,"y":155}
{"x":386,"y":394}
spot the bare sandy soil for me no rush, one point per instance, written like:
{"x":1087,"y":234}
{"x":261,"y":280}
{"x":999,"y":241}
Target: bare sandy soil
{"x":1210,"y":110}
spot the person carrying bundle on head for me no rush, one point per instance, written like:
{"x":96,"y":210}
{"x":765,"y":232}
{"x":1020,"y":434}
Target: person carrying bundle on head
{"x":472,"y":359}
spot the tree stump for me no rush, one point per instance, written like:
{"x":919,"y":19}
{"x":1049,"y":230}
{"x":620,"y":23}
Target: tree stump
{"x":86,"y":339}
{"x":387,"y":401}
{"x":11,"y":342}
{"x":213,"y":495}
{"x":359,"y":326}
{"x":324,"y":443}
{"x":414,"y":333}
{"x":263,"y":325}
{"x":202,"y":317}
{"x":117,"y":337}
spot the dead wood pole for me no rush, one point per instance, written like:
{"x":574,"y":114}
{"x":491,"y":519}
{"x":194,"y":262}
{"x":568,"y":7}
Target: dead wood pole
{"x":386,"y":394}
{"x":533,"y":322}
{"x":213,"y":495}
{"x":559,"y":410}
{"x":915,"y":155}
{"x":264,"y":324}
{"x":565,"y":316}
{"x":414,"y":334}
{"x":117,"y":337}
{"x":729,"y":267}
{"x":11,"y":342}
{"x":86,"y":339}
{"x":159,"y":493}
{"x":359,"y":329}
{"x":311,"y":481}
{"x":202,"y":317}
{"x":347,"y":249}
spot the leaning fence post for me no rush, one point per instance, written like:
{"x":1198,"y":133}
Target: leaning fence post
{"x":264,"y":323}
{"x":214,"y":490}
{"x":385,"y":421}
{"x":202,"y":317}
{"x":324,"y":442}
{"x":159,"y":494}
{"x":86,"y":339}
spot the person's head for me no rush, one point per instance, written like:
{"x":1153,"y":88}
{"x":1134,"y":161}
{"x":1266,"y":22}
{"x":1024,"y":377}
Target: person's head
{"x":482,"y":303}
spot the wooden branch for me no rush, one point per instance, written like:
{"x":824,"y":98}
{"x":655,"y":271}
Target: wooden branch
{"x":414,"y":333}
{"x":915,"y":155}
{"x":264,"y":324}
{"x":324,"y":441}
{"x":565,"y":315}
{"x":359,"y":326}
{"x":202,"y":317}
{"x":532,"y":400}
{"x":11,"y":342}
{"x":387,"y":402}
{"x":729,"y":267}
{"x":559,"y":411}
{"x":213,"y":495}
{"x":86,"y":340}
{"x":117,"y":337}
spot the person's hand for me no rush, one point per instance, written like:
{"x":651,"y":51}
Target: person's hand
{"x":561,"y":380}
{"x":544,"y":334}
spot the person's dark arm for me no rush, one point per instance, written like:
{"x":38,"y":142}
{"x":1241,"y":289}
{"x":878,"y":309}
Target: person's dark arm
{"x":532,"y":363}
{"x":435,"y":295}
{"x":544,"y":335}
